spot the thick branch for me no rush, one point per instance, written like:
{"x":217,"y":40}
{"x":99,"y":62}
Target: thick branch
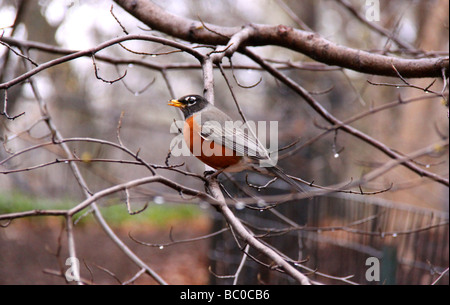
{"x":250,"y":239}
{"x":310,"y":44}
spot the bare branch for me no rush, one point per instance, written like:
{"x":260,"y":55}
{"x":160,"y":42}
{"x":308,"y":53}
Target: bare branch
{"x":118,"y":21}
{"x":5,"y":107}
{"x":333,"y":120}
{"x":374,"y":26}
{"x":307,"y":43}
{"x":102,"y":79}
{"x":249,"y":238}
{"x":94,"y":50}
{"x":175,"y":242}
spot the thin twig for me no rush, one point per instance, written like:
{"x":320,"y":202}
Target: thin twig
{"x":5,"y":107}
{"x":175,"y":242}
{"x":118,"y":21}
{"x":102,"y":79}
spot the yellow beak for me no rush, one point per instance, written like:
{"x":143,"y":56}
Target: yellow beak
{"x":176,"y":103}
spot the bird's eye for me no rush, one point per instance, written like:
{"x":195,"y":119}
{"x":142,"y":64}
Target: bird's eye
{"x":191,"y":100}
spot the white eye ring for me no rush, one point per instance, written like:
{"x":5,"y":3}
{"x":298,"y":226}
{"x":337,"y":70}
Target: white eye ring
{"x":191,"y":100}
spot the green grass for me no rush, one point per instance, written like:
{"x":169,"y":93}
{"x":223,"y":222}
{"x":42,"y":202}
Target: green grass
{"x":18,"y":202}
{"x":115,"y":212}
{"x":155,"y":214}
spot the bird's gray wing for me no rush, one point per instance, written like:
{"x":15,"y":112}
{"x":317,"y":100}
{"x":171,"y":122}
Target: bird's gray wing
{"x":218,"y":127}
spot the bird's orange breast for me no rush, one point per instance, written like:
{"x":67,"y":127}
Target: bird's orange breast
{"x":209,"y":152}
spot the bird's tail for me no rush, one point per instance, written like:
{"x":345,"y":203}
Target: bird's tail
{"x":280,"y":174}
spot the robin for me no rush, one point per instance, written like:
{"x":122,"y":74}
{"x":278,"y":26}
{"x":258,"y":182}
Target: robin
{"x":213,"y":138}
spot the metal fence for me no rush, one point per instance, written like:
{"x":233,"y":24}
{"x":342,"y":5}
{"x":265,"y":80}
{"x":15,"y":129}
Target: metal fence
{"x":339,"y":233}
